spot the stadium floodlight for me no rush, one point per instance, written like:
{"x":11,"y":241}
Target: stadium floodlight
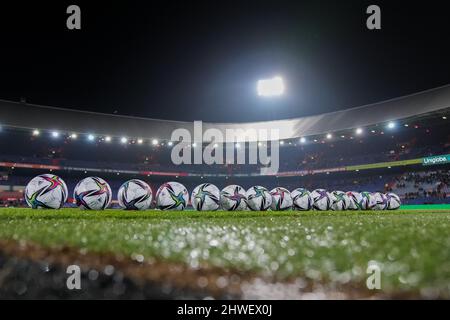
{"x":406,"y":125}
{"x":91,"y":137}
{"x":155,"y":142}
{"x":170,"y":143}
{"x":73,"y":136}
{"x":55,"y":134}
{"x":329,"y":136}
{"x":359,"y":131}
{"x":302,"y":140}
{"x":444,"y":118}
{"x":270,"y":87}
{"x":282,"y":142}
{"x":36,"y":132}
{"x":123,"y":140}
{"x":108,"y":139}
{"x":391,"y":125}
{"x":140,"y":141}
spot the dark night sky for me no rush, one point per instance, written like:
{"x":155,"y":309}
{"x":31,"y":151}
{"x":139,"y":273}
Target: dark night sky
{"x":199,"y":60}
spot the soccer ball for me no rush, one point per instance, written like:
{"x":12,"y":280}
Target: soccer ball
{"x":321,"y":199}
{"x":354,"y":200}
{"x":205,"y":197}
{"x":393,"y":201}
{"x":380,"y":201}
{"x":368,"y":201}
{"x":92,"y":193}
{"x":233,"y":198}
{"x":258,"y":198}
{"x":46,"y":191}
{"x":172,"y":196}
{"x":301,"y":199}
{"x":135,"y":195}
{"x":339,"y":201}
{"x":281,"y":199}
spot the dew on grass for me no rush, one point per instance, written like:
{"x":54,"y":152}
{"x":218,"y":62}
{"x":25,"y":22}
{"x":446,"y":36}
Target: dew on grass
{"x":334,"y":246}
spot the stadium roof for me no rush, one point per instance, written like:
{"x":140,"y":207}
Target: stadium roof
{"x":29,"y":116}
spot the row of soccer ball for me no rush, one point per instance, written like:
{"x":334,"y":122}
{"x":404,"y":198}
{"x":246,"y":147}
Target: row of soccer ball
{"x":93,"y":193}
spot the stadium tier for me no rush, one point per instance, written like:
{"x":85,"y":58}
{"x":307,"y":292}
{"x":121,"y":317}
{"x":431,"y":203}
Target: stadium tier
{"x":386,"y":156}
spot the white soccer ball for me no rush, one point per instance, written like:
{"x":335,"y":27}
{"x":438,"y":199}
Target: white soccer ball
{"x":135,"y":195}
{"x":339,"y":201}
{"x":46,"y":191}
{"x":233,"y":198}
{"x":301,"y":199}
{"x":321,"y":199}
{"x":281,"y":199}
{"x":92,"y":193}
{"x":205,"y":197}
{"x":393,"y":201}
{"x":258,"y":198}
{"x":380,"y":201}
{"x":172,"y":196}
{"x":368,"y":201}
{"x":355,"y":199}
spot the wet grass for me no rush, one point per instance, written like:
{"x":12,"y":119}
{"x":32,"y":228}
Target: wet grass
{"x":412,"y":248}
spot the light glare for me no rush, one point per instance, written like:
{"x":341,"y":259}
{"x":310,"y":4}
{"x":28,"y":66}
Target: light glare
{"x":270,"y":87}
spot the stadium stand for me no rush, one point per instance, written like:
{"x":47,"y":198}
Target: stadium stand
{"x":378,"y":158}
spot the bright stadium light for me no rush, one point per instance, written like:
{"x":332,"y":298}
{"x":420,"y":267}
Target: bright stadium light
{"x":108,"y":139}
{"x":444,"y":118}
{"x":270,"y":87}
{"x":123,"y":140}
{"x":329,"y":136}
{"x":73,"y":136}
{"x":302,"y":140}
{"x":281,"y":142}
{"x":91,"y":137}
{"x":359,"y":131}
{"x":170,"y":143}
{"x":155,"y":142}
{"x":36,"y":132}
{"x":391,"y":125}
{"x":140,"y":141}
{"x":55,"y":134}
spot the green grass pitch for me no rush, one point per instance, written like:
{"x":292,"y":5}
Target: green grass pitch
{"x":412,"y":247}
